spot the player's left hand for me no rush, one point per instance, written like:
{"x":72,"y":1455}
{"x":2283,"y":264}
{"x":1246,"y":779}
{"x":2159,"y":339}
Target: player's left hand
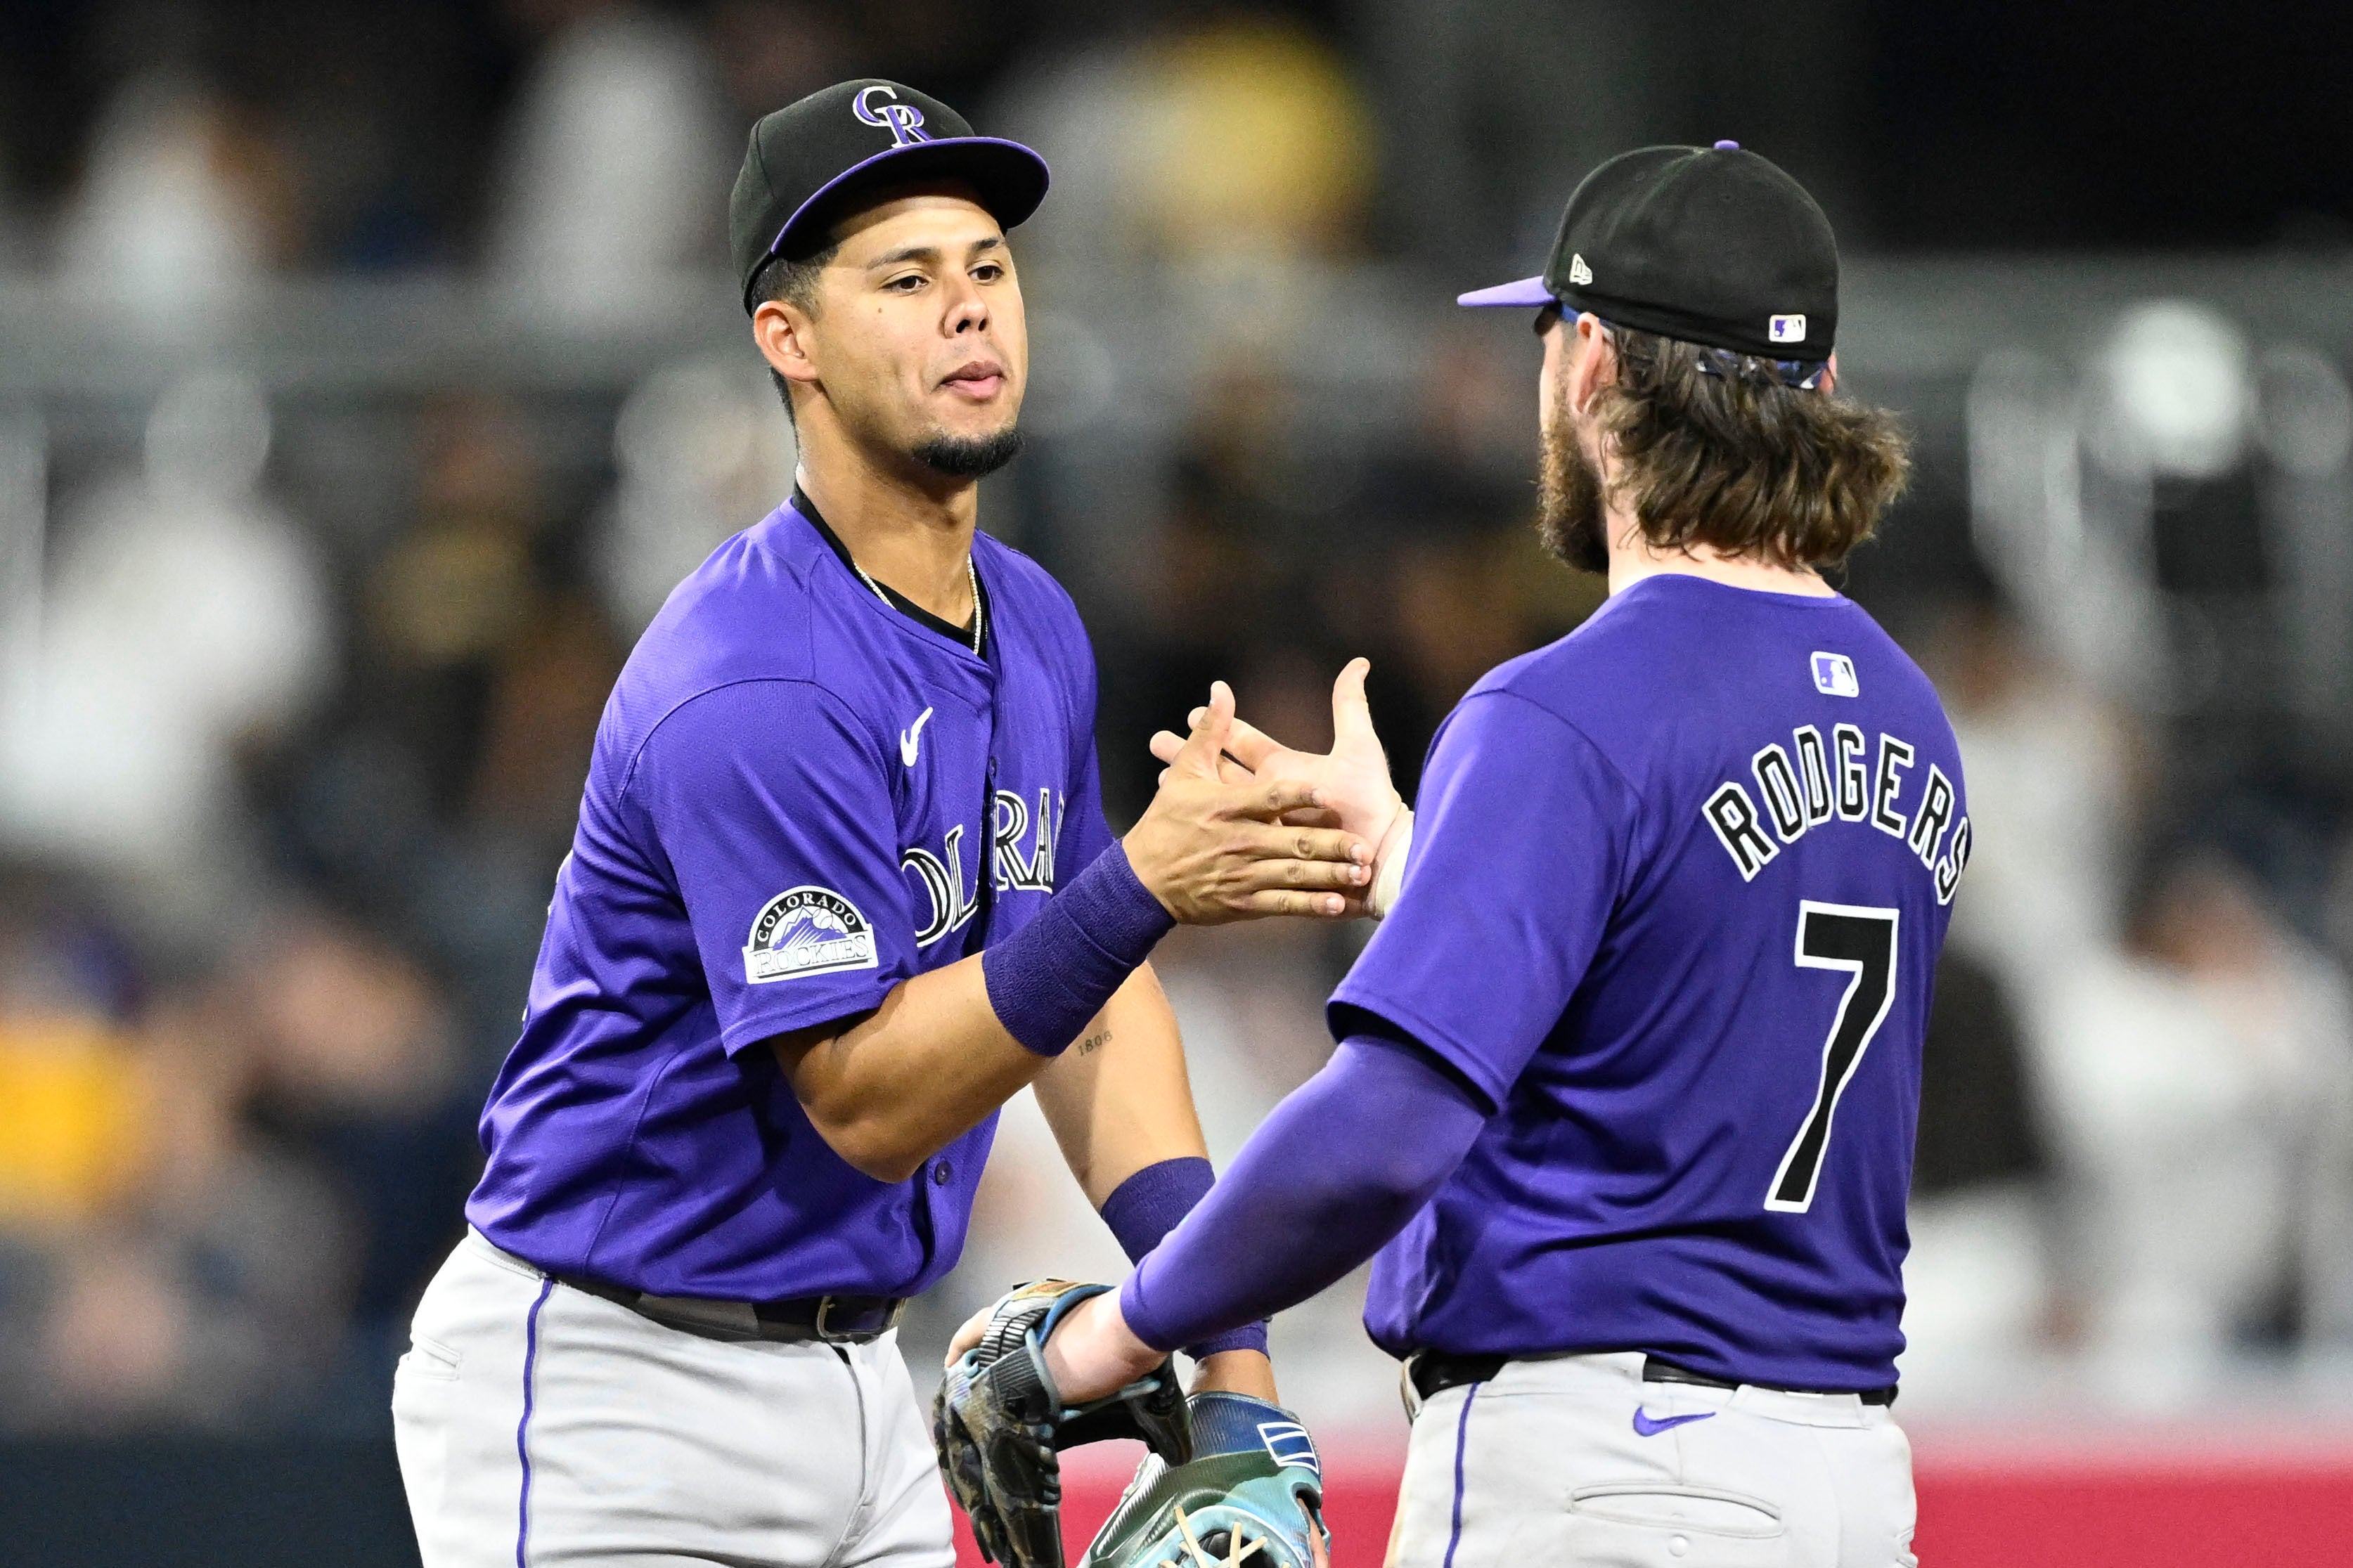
{"x":1091,"y":1353}
{"x":1352,"y":779}
{"x":1001,"y":1415}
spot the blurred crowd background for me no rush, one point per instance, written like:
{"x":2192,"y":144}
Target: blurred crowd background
{"x":368,"y":375}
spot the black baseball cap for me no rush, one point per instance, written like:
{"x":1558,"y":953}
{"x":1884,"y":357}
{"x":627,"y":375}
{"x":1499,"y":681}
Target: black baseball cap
{"x":1711,"y":245}
{"x":808,"y":162}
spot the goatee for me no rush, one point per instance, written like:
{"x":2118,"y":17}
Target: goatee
{"x":971,"y":457}
{"x":1571,"y":519}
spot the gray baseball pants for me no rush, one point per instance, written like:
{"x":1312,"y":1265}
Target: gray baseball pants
{"x":1576,"y":1462}
{"x":538,"y":1425}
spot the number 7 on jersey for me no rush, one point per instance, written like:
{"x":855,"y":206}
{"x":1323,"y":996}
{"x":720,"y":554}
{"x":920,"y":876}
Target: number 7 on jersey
{"x":1861,"y":941}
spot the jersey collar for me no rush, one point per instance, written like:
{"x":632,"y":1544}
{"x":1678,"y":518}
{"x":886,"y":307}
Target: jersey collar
{"x":960,"y":635}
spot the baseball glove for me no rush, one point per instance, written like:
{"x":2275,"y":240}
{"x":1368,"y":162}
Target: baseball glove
{"x":998,"y":1424}
{"x":1252,"y":1498}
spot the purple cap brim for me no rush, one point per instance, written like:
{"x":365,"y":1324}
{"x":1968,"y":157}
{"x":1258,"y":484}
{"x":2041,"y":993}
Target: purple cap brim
{"x":926,"y":151}
{"x":942,"y":150}
{"x":1527,"y":292}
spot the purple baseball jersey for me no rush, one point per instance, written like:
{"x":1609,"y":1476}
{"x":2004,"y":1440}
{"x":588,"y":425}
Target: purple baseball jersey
{"x":800,"y":796}
{"x":1677,"y":888}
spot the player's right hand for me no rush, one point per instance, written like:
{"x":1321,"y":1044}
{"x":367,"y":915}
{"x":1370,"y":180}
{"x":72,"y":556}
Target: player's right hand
{"x":1214,"y":850}
{"x":1352,"y":779}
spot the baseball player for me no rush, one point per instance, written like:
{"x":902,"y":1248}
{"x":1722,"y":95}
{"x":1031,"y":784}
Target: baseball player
{"x":1627,"y":1078}
{"x":841,"y":886}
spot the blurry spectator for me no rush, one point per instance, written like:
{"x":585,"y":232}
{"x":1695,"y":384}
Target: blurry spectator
{"x":542,"y":723}
{"x":1209,"y":588}
{"x":614,"y":176}
{"x":447,"y":600}
{"x":1977,"y":1280}
{"x":1250,"y":138}
{"x":2201,"y":1092}
{"x":704,"y":451}
{"x":356,"y":1071}
{"x":1489,"y":120}
{"x":1460,"y":603}
{"x":72,"y":1116}
{"x":186,"y":198}
{"x":187,"y":619}
{"x":1978,"y":1127}
{"x":2054,"y":787}
{"x":1241,"y":141}
{"x":210,"y":1291}
{"x":771,"y":53}
{"x":445,"y":794}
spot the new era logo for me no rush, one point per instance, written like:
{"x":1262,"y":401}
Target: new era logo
{"x":1786,"y":328}
{"x":1834,"y":676}
{"x":1580,"y":274}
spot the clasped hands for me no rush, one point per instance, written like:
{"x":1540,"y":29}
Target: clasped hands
{"x":1243,"y":826}
{"x":1344,"y":793}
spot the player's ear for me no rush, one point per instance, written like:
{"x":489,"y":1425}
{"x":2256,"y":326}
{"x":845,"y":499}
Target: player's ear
{"x":782,"y":331}
{"x":1594,"y":363}
{"x":1830,"y":375}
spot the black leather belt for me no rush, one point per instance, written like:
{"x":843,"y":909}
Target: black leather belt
{"x":1433,"y":1371}
{"x":828,"y":1320}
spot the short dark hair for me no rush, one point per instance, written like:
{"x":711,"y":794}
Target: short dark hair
{"x":1733,"y":458}
{"x":792,"y":280}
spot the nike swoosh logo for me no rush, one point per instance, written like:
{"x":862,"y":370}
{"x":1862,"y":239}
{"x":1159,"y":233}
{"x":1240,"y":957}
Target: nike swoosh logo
{"x":1648,"y":1425}
{"x":912,"y":737}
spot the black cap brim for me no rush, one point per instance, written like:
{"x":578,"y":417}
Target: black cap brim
{"x":1009,"y":179}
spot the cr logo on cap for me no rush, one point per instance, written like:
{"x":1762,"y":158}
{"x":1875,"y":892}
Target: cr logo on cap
{"x":904,"y":120}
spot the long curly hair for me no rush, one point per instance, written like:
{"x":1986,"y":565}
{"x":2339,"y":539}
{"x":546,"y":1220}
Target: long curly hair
{"x":1715,"y":448}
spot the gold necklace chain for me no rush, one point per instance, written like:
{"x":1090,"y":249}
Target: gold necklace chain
{"x":971,"y":577}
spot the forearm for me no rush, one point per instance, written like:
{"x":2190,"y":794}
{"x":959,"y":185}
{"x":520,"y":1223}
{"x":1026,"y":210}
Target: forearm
{"x":1120,"y":1106}
{"x":1333,"y":1172}
{"x":950,"y":1046}
{"x":1119,"y":1100}
{"x":912,"y":1077}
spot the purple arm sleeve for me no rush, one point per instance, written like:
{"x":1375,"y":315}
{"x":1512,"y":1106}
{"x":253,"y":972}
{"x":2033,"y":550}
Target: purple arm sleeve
{"x":1047,"y":979}
{"x":1331,"y":1174}
{"x":1146,"y":1207}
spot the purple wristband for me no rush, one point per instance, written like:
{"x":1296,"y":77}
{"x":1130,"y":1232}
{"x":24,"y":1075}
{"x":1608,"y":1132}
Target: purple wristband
{"x":1146,"y":1206}
{"x":1047,"y":979}
{"x":1331,"y":1174}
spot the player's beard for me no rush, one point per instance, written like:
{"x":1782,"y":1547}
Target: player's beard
{"x":970,"y":457}
{"x":1572,"y":518}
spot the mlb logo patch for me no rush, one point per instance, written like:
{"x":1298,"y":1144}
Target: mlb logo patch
{"x":1834,"y":676}
{"x":1786,"y":328}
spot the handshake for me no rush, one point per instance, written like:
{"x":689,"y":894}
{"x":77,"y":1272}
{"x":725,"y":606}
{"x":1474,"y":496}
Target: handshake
{"x":1230,"y":1482}
{"x":1244,"y":827}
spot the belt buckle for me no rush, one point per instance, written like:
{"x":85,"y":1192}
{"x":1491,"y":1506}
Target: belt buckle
{"x":825,"y":1333}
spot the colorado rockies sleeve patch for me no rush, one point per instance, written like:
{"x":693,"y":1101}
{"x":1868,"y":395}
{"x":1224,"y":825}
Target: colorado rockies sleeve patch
{"x":806,"y":931}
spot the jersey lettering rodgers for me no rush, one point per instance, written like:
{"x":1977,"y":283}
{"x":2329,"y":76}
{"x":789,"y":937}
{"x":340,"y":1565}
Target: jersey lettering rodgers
{"x":1811,"y":783}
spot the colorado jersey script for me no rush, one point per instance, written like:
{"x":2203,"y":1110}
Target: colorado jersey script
{"x":800,"y":796}
{"x":1678,"y":886}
